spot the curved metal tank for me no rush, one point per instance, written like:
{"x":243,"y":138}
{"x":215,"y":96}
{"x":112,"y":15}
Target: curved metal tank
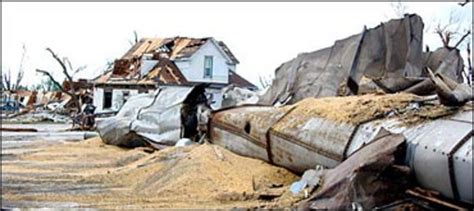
{"x":440,"y":151}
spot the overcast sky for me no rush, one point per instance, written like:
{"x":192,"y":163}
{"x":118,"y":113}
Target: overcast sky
{"x":261,"y":35}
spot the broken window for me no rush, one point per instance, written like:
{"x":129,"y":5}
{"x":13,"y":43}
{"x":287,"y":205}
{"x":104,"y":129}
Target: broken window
{"x":208,"y":66}
{"x":107,"y":99}
{"x":126,"y":94}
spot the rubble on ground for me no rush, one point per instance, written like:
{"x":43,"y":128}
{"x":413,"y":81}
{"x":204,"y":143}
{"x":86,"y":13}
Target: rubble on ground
{"x":23,"y":106}
{"x":370,"y":122}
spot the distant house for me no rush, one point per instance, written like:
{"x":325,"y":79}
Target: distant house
{"x":177,"y":61}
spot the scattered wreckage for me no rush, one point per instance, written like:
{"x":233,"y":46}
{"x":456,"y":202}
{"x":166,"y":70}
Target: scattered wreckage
{"x":23,"y":106}
{"x":158,"y":119}
{"x":327,"y":131}
{"x":388,"y":58}
{"x":413,"y":119}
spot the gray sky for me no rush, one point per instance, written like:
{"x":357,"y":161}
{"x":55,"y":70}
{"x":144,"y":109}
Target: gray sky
{"x":261,"y":35}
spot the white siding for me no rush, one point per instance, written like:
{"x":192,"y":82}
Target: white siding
{"x":216,"y":97}
{"x":117,"y":98}
{"x":232,"y":67}
{"x":193,"y":69}
{"x":98,"y":99}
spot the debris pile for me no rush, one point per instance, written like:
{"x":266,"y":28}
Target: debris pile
{"x":367,"y":123}
{"x":21,"y":106}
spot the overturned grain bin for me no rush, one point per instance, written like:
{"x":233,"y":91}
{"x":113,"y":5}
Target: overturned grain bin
{"x":327,"y":131}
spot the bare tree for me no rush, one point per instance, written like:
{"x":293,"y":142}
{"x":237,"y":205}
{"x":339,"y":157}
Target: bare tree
{"x":7,"y":80}
{"x":464,"y":3}
{"x":450,"y":31}
{"x":399,"y":9}
{"x":21,"y":72}
{"x":135,"y":38}
{"x":7,"y":83}
{"x":68,"y":77}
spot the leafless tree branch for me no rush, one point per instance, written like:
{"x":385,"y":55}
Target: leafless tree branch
{"x":462,"y":38}
{"x":7,"y":80}
{"x":21,"y":71}
{"x":74,"y":98}
{"x":46,"y":73}
{"x":61,"y":63}
{"x":464,"y":3}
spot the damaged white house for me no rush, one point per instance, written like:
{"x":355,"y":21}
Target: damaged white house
{"x":177,"y":61}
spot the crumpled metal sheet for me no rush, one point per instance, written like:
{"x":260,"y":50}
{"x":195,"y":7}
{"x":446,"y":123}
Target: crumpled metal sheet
{"x":390,"y":50}
{"x":155,"y":119}
{"x":439,"y":151}
{"x":368,"y":178}
{"x":390,"y":57}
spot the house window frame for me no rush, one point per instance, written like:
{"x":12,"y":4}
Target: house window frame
{"x":125,"y":96}
{"x":208,"y":66}
{"x":105,"y":104}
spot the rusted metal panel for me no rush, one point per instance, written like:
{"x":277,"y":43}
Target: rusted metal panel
{"x":282,"y":135}
{"x":296,"y":156}
{"x":355,"y":179}
{"x":238,"y":144}
{"x":300,"y":140}
{"x":250,"y":121}
{"x":323,"y":136}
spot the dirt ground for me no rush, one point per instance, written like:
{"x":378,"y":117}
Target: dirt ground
{"x":91,"y":174}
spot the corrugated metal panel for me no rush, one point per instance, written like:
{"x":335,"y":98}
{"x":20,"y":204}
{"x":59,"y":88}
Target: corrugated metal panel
{"x":431,"y":163}
{"x":463,"y":116}
{"x":238,"y":144}
{"x":462,"y":163}
{"x":323,"y":136}
{"x":296,"y":156}
{"x":366,"y":133}
{"x":154,"y":118}
{"x":437,"y":150}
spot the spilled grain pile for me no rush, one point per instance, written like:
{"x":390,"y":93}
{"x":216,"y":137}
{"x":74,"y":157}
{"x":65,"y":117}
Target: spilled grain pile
{"x":353,"y":109}
{"x":345,"y":110}
{"x":91,"y":174}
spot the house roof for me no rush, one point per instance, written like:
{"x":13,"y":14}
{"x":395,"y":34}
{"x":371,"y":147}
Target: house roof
{"x":178,"y":47}
{"x":127,"y":69}
{"x":165,"y":72}
{"x":127,"y":72}
{"x":239,"y":81}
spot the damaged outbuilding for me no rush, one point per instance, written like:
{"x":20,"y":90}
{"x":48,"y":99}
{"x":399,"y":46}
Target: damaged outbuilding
{"x":372,"y":108}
